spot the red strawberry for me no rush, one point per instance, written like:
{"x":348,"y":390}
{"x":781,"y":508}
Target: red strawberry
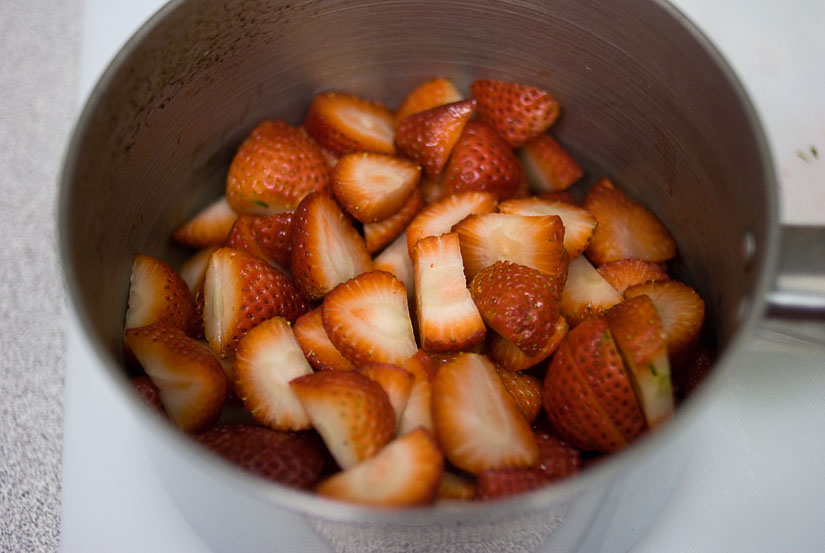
{"x":284,"y":457}
{"x":557,"y":459}
{"x":268,"y":237}
{"x":525,"y":389}
{"x":579,"y":225}
{"x":395,"y":259}
{"x":429,"y":136}
{"x":326,"y":248}
{"x":268,"y":358}
{"x":564,"y":196}
{"x":351,"y":413}
{"x":406,"y":472}
{"x":448,"y":319}
{"x":482,"y":160}
{"x":626,"y":228}
{"x":274,"y":168}
{"x":623,"y":273}
{"x":192,"y":383}
{"x":690,"y":377}
{"x":518,"y":112}
{"x":477,"y":422}
{"x":428,"y":95}
{"x":501,"y":482}
{"x":395,"y":381}
{"x":548,"y":166}
{"x":345,"y":124}
{"x":418,"y":411}
{"x":158,"y":294}
{"x":317,"y":348}
{"x":240,"y":292}
{"x":368,"y":320}
{"x":148,"y":392}
{"x":380,"y":233}
{"x":455,"y":487}
{"x":586,"y":294}
{"x":440,"y":217}
{"x":502,"y":352}
{"x":209,"y":227}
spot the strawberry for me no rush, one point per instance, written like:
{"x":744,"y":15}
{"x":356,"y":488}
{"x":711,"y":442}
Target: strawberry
{"x":158,"y":294}
{"x":380,"y":233}
{"x":268,"y":358}
{"x":548,"y":166}
{"x":525,"y":389}
{"x":345,"y":124}
{"x":579,"y":225}
{"x":406,"y":472}
{"x":448,"y":319}
{"x":240,"y":292}
{"x":268,"y":237}
{"x":274,"y":168}
{"x":477,"y":422}
{"x":192,"y":383}
{"x":418,"y":411}
{"x":352,"y":413}
{"x":287,"y":458}
{"x":482,"y":160}
{"x":557,"y":459}
{"x":429,"y":136}
{"x":691,"y":376}
{"x":508,"y":356}
{"x":395,"y":259}
{"x":432,"y":188}
{"x":518,"y":112}
{"x":564,"y":196}
{"x":209,"y":227}
{"x":314,"y":342}
{"x":193,"y":270}
{"x":626,"y":228}
{"x":441,"y":216}
{"x":501,"y":482}
{"x":395,"y":381}
{"x":586,"y":294}
{"x":367,"y":319}
{"x":326,"y":248}
{"x":623,"y":273}
{"x":455,"y":487}
{"x":148,"y":392}
{"x":435,"y":92}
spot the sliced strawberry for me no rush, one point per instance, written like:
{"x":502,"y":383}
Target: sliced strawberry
{"x":579,"y":225}
{"x":268,"y":358}
{"x":586,"y":294}
{"x":193,"y":270}
{"x":268,"y":237}
{"x":240,"y":292}
{"x":283,"y":457}
{"x":626,"y":228}
{"x":482,"y":160}
{"x":548,"y":166}
{"x":440,"y":217}
{"x":518,"y":112}
{"x":192,"y":383}
{"x":395,"y":381}
{"x":508,"y":356}
{"x":623,"y":273}
{"x":477,"y":422}
{"x":158,"y":294}
{"x":455,"y":487}
{"x":380,"y":233}
{"x":429,"y":136}
{"x":406,"y":472}
{"x":209,"y":227}
{"x":418,"y":411}
{"x":274,"y":168}
{"x":435,"y":92}
{"x":557,"y":459}
{"x":501,"y":482}
{"x":448,"y":319}
{"x":525,"y":389}
{"x":564,"y":196}
{"x":326,"y":248}
{"x":148,"y":392}
{"x":352,"y":413}
{"x":395,"y":259}
{"x":432,"y":188}
{"x":345,"y":124}
{"x":317,"y":348}
{"x":368,"y":320}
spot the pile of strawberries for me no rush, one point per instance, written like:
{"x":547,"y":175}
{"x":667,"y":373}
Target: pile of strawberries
{"x":411,"y":306}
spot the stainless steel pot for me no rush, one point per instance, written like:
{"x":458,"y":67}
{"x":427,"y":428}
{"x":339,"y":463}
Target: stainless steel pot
{"x":647,"y":101}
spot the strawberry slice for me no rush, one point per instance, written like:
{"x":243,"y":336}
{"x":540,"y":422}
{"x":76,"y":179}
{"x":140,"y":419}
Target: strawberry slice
{"x":477,"y":422}
{"x":427,"y":95}
{"x":418,"y":411}
{"x":380,"y":233}
{"x":508,"y":356}
{"x":429,"y":136}
{"x":345,"y":124}
{"x":240,"y":292}
{"x":586,"y":294}
{"x":395,"y":381}
{"x":148,"y":392}
{"x":432,"y":188}
{"x":209,"y":227}
{"x":579,"y":225}
{"x":525,"y":389}
{"x":518,"y":112}
{"x":192,"y":383}
{"x":352,"y":413}
{"x":274,"y":168}
{"x":395,"y":259}
{"x":193,"y":270}
{"x":440,"y":217}
{"x":326,"y":248}
{"x":455,"y":487}
{"x":368,"y":320}
{"x":283,"y":457}
{"x":482,"y":160}
{"x":268,"y":237}
{"x":314,"y":342}
{"x":406,"y":472}
{"x":448,"y":319}
{"x":548,"y":166}
{"x":624,"y":273}
{"x":626,"y":228}
{"x":268,"y":358}
{"x":501,"y":482}
{"x":158,"y":294}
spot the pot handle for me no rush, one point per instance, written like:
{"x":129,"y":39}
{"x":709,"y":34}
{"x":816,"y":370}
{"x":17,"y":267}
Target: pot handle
{"x":796,"y":305}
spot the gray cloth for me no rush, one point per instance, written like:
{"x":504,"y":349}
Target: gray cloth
{"x":39,"y":60}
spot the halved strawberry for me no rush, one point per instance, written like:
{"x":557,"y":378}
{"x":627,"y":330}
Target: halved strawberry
{"x":193,"y":270}
{"x":268,"y":358}
{"x":406,"y":472}
{"x":586,"y":294}
{"x":274,"y":168}
{"x":209,"y":226}
{"x":579,"y":225}
{"x":429,"y":136}
{"x":455,"y":487}
{"x":368,"y":320}
{"x":266,"y":236}
{"x":427,"y":95}
{"x":477,"y":422}
{"x":240,"y":292}
{"x":317,"y":348}
{"x":448,"y":319}
{"x":508,"y":356}
{"x":380,"y":233}
{"x":623,"y":273}
{"x":518,"y":112}
{"x":287,"y":458}
{"x":352,"y":413}
{"x":440,"y":217}
{"x":548,"y":166}
{"x":148,"y":392}
{"x":158,"y":294}
{"x":395,"y":259}
{"x":395,"y":381}
{"x":482,"y":160}
{"x":326,"y":248}
{"x":345,"y":124}
{"x":372,"y":187}
{"x":525,"y":389}
{"x":626,"y":228}
{"x":418,"y":411}
{"x":192,"y":383}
